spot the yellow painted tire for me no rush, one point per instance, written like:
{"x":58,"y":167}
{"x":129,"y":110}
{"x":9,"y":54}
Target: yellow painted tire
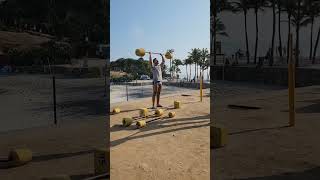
{"x":127,"y":121}
{"x":141,"y":124}
{"x":20,"y":155}
{"x":140,"y":52}
{"x":171,"y":114}
{"x":143,"y":112}
{"x":17,"y":157}
{"x":168,"y":55}
{"x":116,"y":110}
{"x":159,"y":112}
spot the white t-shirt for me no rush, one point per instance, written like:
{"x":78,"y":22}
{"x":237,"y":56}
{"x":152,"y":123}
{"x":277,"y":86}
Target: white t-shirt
{"x":157,"y":73}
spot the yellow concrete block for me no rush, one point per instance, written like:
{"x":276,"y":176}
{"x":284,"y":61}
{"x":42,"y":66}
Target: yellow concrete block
{"x":127,"y":121}
{"x":20,"y":156}
{"x":159,"y":112}
{"x":171,"y":114}
{"x":177,"y":104}
{"x":143,"y":112}
{"x":101,"y":161}
{"x":141,"y":124}
{"x":219,"y":136}
{"x":116,"y":110}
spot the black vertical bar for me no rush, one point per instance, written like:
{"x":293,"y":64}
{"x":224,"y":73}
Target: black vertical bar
{"x":54,"y":99}
{"x":105,"y":80}
{"x":127,"y":91}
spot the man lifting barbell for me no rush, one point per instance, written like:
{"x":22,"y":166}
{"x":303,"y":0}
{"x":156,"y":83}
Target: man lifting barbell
{"x":157,"y":78}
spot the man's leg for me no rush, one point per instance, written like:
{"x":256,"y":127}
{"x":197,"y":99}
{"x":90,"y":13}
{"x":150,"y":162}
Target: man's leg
{"x":154,"y":94}
{"x":158,"y":94}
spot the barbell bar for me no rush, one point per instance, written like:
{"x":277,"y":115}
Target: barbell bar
{"x":141,"y":52}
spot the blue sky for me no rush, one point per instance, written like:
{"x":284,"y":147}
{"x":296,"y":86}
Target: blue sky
{"x":158,"y":25}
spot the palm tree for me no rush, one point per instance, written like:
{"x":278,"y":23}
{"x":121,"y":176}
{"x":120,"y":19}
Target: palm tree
{"x":279,"y":6}
{"x":217,"y":6}
{"x":312,"y":11}
{"x":204,"y":56}
{"x":289,"y":7}
{"x":273,"y":31}
{"x":297,"y":21}
{"x":194,"y":55}
{"x":257,"y":5}
{"x":185,"y":62}
{"x":300,"y":19}
{"x":221,"y":28}
{"x":175,"y":66}
{"x":190,"y":63}
{"x":243,"y":6}
{"x":316,"y":47}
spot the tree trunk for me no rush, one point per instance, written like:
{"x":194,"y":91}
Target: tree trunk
{"x":195,"y":72}
{"x":311,"y":38}
{"x":297,"y":53}
{"x":190,"y":71}
{"x":214,"y":32}
{"x":289,"y":31}
{"x":187,"y":71}
{"x":257,"y":35}
{"x":247,"y":43}
{"x":273,"y":32}
{"x":279,"y":29}
{"x":316,"y":47}
{"x":170,"y":70}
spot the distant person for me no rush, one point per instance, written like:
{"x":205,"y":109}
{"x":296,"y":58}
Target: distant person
{"x":157,"y":79}
{"x":227,"y":61}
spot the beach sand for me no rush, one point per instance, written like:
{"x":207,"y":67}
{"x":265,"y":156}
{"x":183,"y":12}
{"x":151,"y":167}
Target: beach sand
{"x":26,"y":118}
{"x":176,"y":148}
{"x":260,"y":145}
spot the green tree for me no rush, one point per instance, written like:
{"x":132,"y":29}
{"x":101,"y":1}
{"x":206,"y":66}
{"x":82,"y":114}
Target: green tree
{"x":312,"y":12}
{"x":175,"y":64}
{"x":216,"y":6}
{"x":195,"y":56}
{"x":257,"y":5}
{"x":289,"y":6}
{"x":203,"y":62}
{"x":243,"y":6}
{"x":186,"y":63}
{"x":280,"y":7}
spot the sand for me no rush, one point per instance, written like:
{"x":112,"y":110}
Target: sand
{"x":261,"y":146}
{"x":176,"y":148}
{"x":26,"y":118}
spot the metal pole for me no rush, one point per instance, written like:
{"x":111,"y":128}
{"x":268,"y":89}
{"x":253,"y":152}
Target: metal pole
{"x":105,"y":80}
{"x":201,"y":86}
{"x":291,"y":84}
{"x":54,"y":99}
{"x":127,"y":91}
{"x":223,"y":69}
{"x":142,"y":88}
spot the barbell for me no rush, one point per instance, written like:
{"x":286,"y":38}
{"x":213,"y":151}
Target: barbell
{"x":141,"y":52}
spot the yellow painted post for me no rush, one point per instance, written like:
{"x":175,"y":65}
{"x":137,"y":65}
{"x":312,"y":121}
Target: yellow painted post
{"x":101,"y":161}
{"x":201,"y":86}
{"x":291,"y":84}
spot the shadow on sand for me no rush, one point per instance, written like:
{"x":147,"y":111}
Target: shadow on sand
{"x":60,"y":156}
{"x":258,"y":129}
{"x":310,"y":174}
{"x":161,"y":124}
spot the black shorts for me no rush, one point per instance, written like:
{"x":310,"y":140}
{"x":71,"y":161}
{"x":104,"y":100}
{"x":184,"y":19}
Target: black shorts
{"x":156,"y":82}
